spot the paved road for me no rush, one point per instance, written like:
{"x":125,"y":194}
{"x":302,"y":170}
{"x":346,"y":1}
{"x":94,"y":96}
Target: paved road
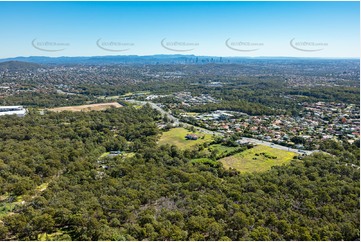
{"x":162,"y":111}
{"x":176,"y":122}
{"x":261,"y":142}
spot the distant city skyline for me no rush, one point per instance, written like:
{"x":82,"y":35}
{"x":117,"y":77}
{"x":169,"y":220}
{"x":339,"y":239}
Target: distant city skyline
{"x":229,"y":29}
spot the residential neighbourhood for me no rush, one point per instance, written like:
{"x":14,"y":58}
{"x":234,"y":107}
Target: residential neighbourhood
{"x":316,"y":122}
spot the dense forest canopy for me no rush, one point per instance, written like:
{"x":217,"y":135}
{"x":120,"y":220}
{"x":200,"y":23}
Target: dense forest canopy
{"x":107,"y":175}
{"x":157,"y":193}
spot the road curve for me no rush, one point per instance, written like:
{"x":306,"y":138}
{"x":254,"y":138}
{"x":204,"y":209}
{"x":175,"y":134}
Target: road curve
{"x":176,"y":122}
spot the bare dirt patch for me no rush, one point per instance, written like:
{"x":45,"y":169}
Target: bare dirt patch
{"x":87,"y":108}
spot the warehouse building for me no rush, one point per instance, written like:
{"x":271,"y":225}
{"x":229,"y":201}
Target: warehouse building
{"x":11,"y":110}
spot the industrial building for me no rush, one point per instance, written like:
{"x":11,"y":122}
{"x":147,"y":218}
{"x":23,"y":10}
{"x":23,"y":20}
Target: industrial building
{"x":11,"y":110}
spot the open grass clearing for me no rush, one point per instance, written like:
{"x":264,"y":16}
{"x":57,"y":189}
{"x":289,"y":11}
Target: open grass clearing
{"x":191,"y":114}
{"x":177,"y":136}
{"x":49,"y":237}
{"x":123,"y":154}
{"x":42,"y":187}
{"x":128,"y":154}
{"x":223,"y":151}
{"x":105,"y":154}
{"x":108,"y":97}
{"x":222,"y":148}
{"x":258,"y":159}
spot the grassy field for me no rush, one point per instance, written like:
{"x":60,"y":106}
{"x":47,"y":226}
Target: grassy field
{"x":124,"y":154}
{"x":136,"y":106}
{"x":86,"y":108}
{"x":105,"y":154}
{"x":108,"y":97}
{"x":176,"y":137}
{"x":192,"y":114}
{"x":49,"y":237}
{"x":135,"y":93}
{"x":42,"y":187}
{"x":128,"y":154}
{"x":258,"y":159}
{"x":223,"y":150}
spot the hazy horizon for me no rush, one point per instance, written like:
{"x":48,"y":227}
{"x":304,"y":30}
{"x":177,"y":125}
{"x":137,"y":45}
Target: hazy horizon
{"x":151,"y":55}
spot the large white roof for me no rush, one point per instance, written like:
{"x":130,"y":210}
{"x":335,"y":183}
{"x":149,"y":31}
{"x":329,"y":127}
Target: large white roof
{"x":10,"y":107}
{"x":10,"y":110}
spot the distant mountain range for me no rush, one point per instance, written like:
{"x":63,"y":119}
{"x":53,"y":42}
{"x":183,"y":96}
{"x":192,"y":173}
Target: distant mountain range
{"x":129,"y":59}
{"x":18,"y":66}
{"x":135,"y":59}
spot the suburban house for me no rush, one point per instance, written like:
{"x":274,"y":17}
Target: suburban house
{"x":115,"y":152}
{"x":191,"y":137}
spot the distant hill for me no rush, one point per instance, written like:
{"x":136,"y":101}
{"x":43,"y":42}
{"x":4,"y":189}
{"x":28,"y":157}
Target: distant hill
{"x":18,"y":66}
{"x":109,"y":60}
{"x":149,"y":59}
{"x":127,"y":59}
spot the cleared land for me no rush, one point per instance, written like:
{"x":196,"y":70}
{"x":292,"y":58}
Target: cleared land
{"x":176,"y":137}
{"x":258,"y":159}
{"x":222,"y":150}
{"x":87,"y":108}
{"x":108,"y":97}
{"x":123,"y":154}
{"x":7,"y":207}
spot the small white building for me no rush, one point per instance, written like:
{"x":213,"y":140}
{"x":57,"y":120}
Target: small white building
{"x":11,"y":110}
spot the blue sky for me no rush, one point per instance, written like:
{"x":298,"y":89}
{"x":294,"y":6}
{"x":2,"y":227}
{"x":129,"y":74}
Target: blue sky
{"x":200,"y":28}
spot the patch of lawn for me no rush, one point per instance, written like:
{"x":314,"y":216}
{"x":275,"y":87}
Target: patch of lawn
{"x":123,"y":154}
{"x":42,"y":187}
{"x":128,"y":154}
{"x":192,"y":114}
{"x":258,"y":159}
{"x":137,"y":106}
{"x":19,"y":199}
{"x":6,"y":208}
{"x":136,"y":93}
{"x":128,"y":94}
{"x":47,"y":237}
{"x":222,"y":150}
{"x":104,"y":155}
{"x":177,"y":136}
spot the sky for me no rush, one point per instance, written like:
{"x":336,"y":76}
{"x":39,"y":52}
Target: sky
{"x":292,"y":29}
